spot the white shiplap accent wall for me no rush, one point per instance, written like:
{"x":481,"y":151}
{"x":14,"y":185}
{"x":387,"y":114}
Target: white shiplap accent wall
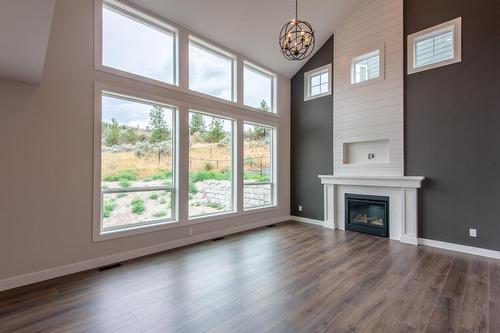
{"x":371,"y":111}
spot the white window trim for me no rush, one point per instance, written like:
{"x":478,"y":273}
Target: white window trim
{"x":362,"y":53}
{"x":457,"y":45}
{"x":274,"y":163}
{"x":98,"y":232}
{"x":209,"y":48}
{"x":307,"y":81}
{"x":234,"y":166}
{"x":264,"y":72}
{"x":144,"y":17}
{"x":182,"y":61}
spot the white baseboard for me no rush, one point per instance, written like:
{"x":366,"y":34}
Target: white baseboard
{"x":22,"y":280}
{"x":460,"y":248}
{"x":307,"y":220}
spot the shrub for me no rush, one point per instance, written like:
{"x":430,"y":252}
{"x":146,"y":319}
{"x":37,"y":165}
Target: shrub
{"x":124,"y":183}
{"x":122,"y":175}
{"x":215,"y":205}
{"x":138,"y":206}
{"x":199,"y":176}
{"x":207,"y":166}
{"x":192,"y":187}
{"x":160,"y":214}
{"x":109,"y":206}
{"x":121,"y":195}
{"x":154,"y":196}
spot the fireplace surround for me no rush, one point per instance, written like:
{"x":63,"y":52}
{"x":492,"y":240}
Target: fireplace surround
{"x":401,"y":191}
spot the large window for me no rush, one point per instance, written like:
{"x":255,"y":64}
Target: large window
{"x":211,"y":71}
{"x":258,"y":88}
{"x":259,"y":163}
{"x":137,"y":163}
{"x":135,"y":43}
{"x":435,"y":47}
{"x":317,"y":82}
{"x":210,"y":165}
{"x":367,"y":66}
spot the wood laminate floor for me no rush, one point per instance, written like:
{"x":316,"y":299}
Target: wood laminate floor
{"x":289,"y":278}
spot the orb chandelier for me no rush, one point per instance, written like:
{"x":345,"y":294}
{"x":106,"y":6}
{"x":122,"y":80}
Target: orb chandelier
{"x":296,"y":38}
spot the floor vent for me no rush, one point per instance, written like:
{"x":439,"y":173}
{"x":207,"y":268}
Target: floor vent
{"x":107,"y":268}
{"x":271,"y":225}
{"x":218,"y":239}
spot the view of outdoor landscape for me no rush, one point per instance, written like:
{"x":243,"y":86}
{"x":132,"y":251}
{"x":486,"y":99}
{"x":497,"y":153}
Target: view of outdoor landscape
{"x":136,"y":166}
{"x":136,"y":162}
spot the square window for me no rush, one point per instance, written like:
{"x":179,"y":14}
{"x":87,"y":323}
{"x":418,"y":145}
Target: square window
{"x":138,"y":44}
{"x":317,"y":82}
{"x":137,"y":163}
{"x":435,"y":47}
{"x":211,"y":71}
{"x":259,"y":88}
{"x":211,"y":181}
{"x":367,"y":66}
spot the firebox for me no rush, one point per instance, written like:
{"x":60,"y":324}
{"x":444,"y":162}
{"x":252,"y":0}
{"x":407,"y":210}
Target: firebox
{"x":367,"y":213}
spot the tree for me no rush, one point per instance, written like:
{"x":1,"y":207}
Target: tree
{"x":130,"y":136}
{"x":197,"y":124}
{"x":159,"y":128}
{"x":263,"y":106}
{"x":216,"y":131}
{"x":111,"y":133}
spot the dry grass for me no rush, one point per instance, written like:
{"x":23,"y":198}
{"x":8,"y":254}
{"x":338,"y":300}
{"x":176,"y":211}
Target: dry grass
{"x":219,"y":157}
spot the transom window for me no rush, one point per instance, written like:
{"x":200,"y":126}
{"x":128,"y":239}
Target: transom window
{"x":258,"y":88}
{"x":211,"y":183}
{"x":366,"y":67}
{"x":211,"y":71}
{"x":259,"y":166}
{"x":317,"y":82}
{"x":435,"y":47}
{"x":137,"y":163}
{"x":135,"y":43}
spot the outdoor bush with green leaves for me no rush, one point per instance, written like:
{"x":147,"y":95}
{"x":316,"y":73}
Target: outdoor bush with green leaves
{"x":138,"y":206}
{"x":109,"y":206}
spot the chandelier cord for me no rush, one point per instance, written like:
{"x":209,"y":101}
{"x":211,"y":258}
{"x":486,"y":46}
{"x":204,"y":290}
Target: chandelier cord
{"x":296,"y":9}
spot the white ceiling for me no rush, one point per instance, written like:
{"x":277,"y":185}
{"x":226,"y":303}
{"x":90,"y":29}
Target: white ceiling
{"x":251,"y":27}
{"x":24,"y":35}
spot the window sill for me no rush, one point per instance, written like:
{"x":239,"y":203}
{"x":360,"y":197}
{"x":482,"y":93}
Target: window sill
{"x":308,"y":98}
{"x":178,"y":224}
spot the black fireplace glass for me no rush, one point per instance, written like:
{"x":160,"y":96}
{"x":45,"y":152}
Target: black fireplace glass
{"x":367,"y":213}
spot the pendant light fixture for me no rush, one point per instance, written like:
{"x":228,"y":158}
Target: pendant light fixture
{"x":296,"y":38}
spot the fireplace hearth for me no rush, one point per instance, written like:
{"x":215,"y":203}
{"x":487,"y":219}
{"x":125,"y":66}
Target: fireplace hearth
{"x":367,"y":213}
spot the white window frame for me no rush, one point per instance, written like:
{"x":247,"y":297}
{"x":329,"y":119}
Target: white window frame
{"x":363,"y":54}
{"x":259,"y":70}
{"x":307,"y":81}
{"x":274,"y":168}
{"x":98,"y":232}
{"x":140,"y":16}
{"x":455,"y":25}
{"x":210,"y":48}
{"x":234,"y":166}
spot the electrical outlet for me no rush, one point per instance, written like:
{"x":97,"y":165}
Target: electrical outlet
{"x":472,"y":232}
{"x":371,"y":156}
{"x":190,"y":231}
{"x":300,"y":208}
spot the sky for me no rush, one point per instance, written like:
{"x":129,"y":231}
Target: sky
{"x":140,"y":49}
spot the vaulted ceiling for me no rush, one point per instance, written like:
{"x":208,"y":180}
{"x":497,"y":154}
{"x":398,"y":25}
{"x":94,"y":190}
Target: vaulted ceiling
{"x":251,"y":27}
{"x":24,"y":36}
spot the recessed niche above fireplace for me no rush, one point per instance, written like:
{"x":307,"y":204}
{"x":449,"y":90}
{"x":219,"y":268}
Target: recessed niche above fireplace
{"x":366,"y":152}
{"x":367,"y":213}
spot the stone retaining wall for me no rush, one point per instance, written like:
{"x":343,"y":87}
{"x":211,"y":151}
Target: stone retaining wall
{"x":219,"y":192}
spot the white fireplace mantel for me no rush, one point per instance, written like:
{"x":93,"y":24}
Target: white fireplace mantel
{"x":403,"y":201}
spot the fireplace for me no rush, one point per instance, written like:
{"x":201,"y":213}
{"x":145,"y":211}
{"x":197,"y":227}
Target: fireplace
{"x":367,"y":213}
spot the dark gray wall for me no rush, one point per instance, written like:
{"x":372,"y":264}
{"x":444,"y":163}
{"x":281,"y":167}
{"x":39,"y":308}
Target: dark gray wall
{"x":453,"y":125}
{"x":311,"y":140}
